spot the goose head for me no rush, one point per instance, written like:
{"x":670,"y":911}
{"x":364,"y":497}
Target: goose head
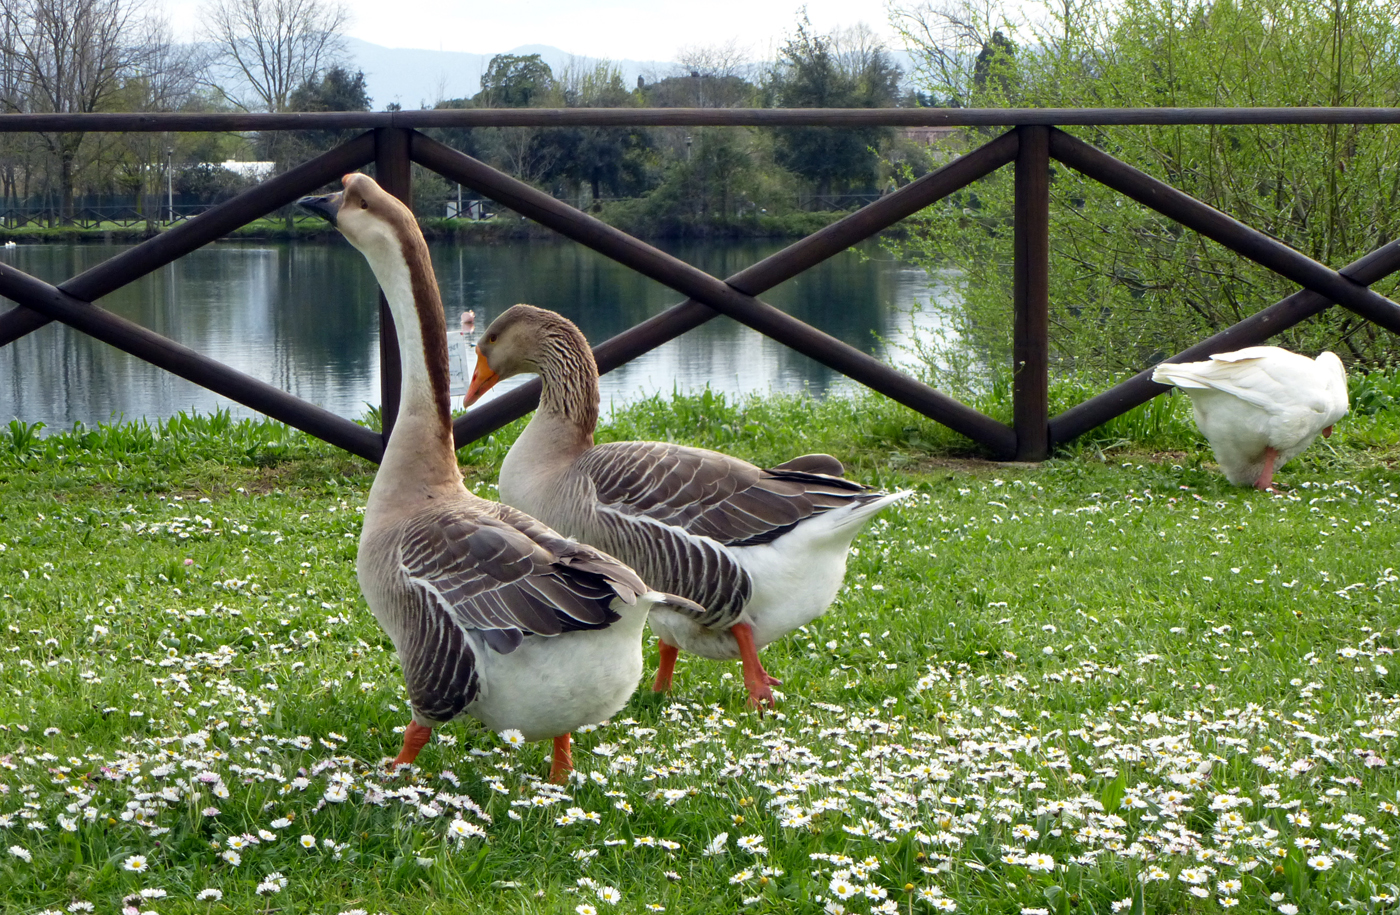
{"x":526,"y":339}
{"x":376,"y":222}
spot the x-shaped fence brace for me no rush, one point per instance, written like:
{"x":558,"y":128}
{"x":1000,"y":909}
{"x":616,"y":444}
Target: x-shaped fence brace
{"x":1030,"y":147}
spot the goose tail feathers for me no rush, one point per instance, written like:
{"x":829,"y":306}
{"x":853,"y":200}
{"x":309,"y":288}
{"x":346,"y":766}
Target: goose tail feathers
{"x":870,"y":504}
{"x":675,"y":602}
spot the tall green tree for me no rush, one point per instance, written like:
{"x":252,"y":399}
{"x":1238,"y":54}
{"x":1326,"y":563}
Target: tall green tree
{"x":514,"y":81}
{"x":822,"y":71}
{"x":338,"y":89}
{"x":606,"y":160}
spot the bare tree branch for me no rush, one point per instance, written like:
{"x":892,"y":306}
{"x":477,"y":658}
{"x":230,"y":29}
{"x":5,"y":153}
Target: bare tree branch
{"x":267,"y":48}
{"x":949,"y":34}
{"x":72,"y":56}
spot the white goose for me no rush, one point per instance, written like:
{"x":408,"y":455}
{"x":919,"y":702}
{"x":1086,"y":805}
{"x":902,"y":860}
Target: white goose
{"x":1261,"y":406}
{"x":763,"y":550}
{"x":493,"y":614}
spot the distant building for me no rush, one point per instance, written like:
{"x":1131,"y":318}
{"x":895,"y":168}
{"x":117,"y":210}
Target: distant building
{"x":257,"y":171}
{"x":929,"y":135}
{"x":470,"y":209}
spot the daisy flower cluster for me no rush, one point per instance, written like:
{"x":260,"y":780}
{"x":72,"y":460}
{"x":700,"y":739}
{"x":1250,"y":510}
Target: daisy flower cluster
{"x":1175,"y":735}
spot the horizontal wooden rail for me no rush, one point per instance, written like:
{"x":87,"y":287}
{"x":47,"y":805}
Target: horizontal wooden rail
{"x":692,"y":117}
{"x":185,"y":362}
{"x":1215,"y":225}
{"x":191,"y":234}
{"x":704,"y":288}
{"x":757,"y":279}
{"x":1252,"y":331}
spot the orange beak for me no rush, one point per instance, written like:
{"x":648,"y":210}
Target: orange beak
{"x":1327,"y":433}
{"x":483,"y":380}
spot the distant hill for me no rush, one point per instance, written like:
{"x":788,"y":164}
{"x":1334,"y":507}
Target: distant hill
{"x":417,"y":78}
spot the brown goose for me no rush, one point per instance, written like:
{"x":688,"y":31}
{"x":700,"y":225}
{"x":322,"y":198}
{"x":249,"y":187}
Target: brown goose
{"x":763,"y":550}
{"x":493,"y":614}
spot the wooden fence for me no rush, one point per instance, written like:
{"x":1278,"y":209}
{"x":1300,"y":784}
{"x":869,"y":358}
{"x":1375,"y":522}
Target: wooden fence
{"x":393,"y":144}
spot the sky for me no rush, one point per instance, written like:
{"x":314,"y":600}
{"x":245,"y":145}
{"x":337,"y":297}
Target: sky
{"x":614,"y":29}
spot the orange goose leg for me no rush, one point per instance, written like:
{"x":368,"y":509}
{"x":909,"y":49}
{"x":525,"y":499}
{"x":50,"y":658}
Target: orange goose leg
{"x":665,"y":668}
{"x":415,"y":736}
{"x":756,"y":680}
{"x":563,"y":760}
{"x":1266,"y":476}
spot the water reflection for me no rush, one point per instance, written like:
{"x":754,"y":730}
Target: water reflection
{"x":303,"y":317}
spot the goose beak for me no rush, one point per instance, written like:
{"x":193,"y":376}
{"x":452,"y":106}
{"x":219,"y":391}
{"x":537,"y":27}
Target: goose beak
{"x":326,"y":207}
{"x":483,"y":380}
{"x":1327,"y":433}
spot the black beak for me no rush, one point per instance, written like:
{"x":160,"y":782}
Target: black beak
{"x":326,"y":207}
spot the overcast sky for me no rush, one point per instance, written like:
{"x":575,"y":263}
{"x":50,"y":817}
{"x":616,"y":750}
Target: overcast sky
{"x":616,"y":29}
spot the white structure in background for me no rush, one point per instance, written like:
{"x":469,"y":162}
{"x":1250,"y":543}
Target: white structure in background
{"x":466,"y":209}
{"x":258,"y":171}
{"x":460,"y":360}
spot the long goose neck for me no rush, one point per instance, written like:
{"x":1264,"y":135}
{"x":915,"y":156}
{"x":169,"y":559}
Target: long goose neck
{"x":570,"y":381}
{"x":419,"y":458}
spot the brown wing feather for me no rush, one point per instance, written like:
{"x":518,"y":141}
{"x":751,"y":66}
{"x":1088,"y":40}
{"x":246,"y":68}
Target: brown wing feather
{"x":714,"y":495}
{"x":500,"y":570}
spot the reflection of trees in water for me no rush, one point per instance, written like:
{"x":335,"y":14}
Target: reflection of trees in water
{"x":304,"y":317}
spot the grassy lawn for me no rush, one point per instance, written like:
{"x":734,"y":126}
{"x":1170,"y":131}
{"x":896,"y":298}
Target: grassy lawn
{"x":1109,"y":682}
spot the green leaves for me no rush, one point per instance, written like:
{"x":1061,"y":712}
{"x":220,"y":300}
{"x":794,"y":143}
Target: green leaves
{"x":1113,"y":792}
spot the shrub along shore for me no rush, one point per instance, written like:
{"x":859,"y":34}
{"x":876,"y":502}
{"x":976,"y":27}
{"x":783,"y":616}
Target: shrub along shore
{"x":1109,"y":682}
{"x":501,"y":228}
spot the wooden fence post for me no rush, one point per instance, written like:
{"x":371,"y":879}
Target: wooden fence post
{"x":394,"y":171}
{"x":1030,"y":348}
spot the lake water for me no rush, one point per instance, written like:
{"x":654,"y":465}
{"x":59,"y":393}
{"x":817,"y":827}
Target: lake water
{"x":302,"y":316}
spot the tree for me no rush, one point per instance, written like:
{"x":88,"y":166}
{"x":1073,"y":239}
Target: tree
{"x":266,"y":49}
{"x":994,"y":71}
{"x":705,"y":77}
{"x":336,"y":90}
{"x":601,"y":158}
{"x":947,"y":39}
{"x":514,"y":81}
{"x":849,"y":70}
{"x":1129,"y":286}
{"x":73,"y":57}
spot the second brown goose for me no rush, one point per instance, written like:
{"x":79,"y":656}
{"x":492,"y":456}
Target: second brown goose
{"x":764,"y":551}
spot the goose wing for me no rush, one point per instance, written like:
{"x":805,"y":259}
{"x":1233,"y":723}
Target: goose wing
{"x":675,"y":512}
{"x":713,"y":495}
{"x":503,"y":574}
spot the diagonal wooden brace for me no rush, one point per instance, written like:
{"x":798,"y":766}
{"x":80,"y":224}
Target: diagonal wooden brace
{"x":1213,"y":224}
{"x":55,"y":304}
{"x":1252,"y":331}
{"x":218,"y":221}
{"x":735,"y":298}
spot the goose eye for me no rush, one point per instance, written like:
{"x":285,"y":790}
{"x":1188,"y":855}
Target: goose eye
{"x":364,"y":204}
{"x":491,"y":339}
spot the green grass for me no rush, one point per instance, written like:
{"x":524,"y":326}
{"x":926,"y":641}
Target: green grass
{"x":1103,"y":660}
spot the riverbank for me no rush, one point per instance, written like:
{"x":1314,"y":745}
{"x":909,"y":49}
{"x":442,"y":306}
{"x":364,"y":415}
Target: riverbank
{"x":498,"y":229}
{"x":1095,"y":681}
